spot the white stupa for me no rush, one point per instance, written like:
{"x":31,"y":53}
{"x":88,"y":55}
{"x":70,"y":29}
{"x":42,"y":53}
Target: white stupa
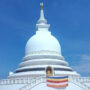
{"x":43,"y":52}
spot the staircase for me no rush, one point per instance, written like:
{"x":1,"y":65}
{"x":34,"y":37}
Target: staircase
{"x":80,"y":82}
{"x":34,"y":83}
{"x":77,"y":81}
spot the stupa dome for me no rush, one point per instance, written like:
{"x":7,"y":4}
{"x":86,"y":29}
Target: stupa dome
{"x":42,"y":40}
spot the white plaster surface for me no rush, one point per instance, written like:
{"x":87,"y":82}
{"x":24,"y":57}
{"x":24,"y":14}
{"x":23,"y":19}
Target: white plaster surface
{"x":42,"y":40}
{"x":41,"y":86}
{"x":11,"y":87}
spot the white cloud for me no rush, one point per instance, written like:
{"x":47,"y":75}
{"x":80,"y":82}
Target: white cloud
{"x":84,"y":65}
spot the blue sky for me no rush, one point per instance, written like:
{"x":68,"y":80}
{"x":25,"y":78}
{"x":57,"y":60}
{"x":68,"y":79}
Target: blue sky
{"x":70,"y":24}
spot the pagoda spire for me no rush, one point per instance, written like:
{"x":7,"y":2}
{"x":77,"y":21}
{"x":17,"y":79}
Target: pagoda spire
{"x":42,"y":22}
{"x":42,"y":18}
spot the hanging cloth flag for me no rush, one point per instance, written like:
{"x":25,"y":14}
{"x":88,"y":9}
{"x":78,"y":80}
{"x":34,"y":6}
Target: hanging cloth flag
{"x":57,"y":82}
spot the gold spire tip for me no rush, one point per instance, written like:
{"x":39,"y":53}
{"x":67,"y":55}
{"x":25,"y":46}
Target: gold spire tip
{"x":41,"y":4}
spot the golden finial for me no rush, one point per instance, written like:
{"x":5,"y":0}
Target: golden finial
{"x":41,"y":4}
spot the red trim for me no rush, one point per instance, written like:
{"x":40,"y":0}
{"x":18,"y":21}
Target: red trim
{"x":57,"y":81}
{"x":57,"y":86}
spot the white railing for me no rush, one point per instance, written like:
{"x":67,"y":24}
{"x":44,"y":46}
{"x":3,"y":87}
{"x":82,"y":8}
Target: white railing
{"x":15,"y":81}
{"x":81,"y":79}
{"x":34,"y":83}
